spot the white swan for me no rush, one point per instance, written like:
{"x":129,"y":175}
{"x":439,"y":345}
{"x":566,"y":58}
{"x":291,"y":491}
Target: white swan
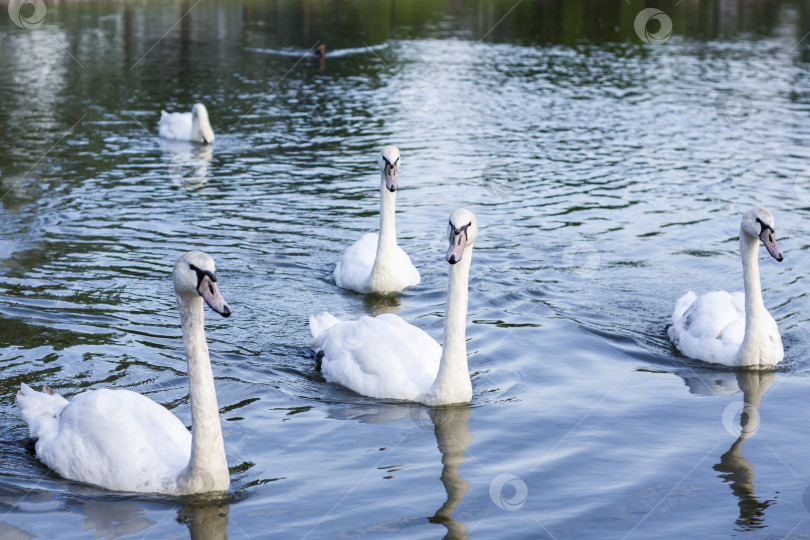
{"x":733,"y":329}
{"x":386,"y":357}
{"x":375,"y":263}
{"x":124,"y":441}
{"x":193,"y":126}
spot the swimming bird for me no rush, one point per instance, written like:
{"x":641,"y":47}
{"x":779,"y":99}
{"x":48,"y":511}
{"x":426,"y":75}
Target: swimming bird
{"x":121,"y":440}
{"x":375,"y":263}
{"x":733,"y":329}
{"x":386,"y":357}
{"x":193,"y":126}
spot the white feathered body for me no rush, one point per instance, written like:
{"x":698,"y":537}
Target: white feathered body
{"x":175,"y":126}
{"x":354,"y":269}
{"x":382,"y":356}
{"x":711,"y":327}
{"x":115,"y":439}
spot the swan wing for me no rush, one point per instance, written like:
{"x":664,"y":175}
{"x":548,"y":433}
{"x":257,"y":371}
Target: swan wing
{"x":681,"y":305}
{"x":116,"y":439}
{"x":353,"y":270}
{"x":711,"y":327}
{"x":175,"y":125}
{"x":408,"y":274}
{"x":775,"y":339}
{"x":382,"y":357}
{"x":318,"y":324}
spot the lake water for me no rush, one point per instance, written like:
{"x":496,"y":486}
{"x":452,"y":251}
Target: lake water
{"x":608,"y":176}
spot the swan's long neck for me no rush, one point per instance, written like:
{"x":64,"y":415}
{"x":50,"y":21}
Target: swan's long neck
{"x":195,"y":128}
{"x":207,"y":468}
{"x":385,"y":260}
{"x":452,"y":384}
{"x":756,"y":335}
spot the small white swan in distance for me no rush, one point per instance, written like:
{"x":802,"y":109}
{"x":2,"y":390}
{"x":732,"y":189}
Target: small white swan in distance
{"x":386,"y":357}
{"x":733,"y":329}
{"x":124,"y":441}
{"x":193,"y":126}
{"x":375,"y":263}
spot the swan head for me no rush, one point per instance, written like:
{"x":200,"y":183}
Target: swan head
{"x":461,"y":232}
{"x":195,"y":275}
{"x":758,"y":223}
{"x":389,"y":166}
{"x":200,"y":125}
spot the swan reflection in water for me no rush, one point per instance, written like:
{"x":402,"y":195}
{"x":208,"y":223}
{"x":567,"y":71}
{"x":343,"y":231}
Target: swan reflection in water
{"x":451,"y":427}
{"x":377,"y":304}
{"x":733,"y":466}
{"x":205,"y":521}
{"x":188,"y":162}
{"x":111,"y":517}
{"x":115,"y":518}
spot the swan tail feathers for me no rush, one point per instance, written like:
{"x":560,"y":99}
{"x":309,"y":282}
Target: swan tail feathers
{"x":682,"y":304}
{"x":318,"y":324}
{"x":38,"y":405}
